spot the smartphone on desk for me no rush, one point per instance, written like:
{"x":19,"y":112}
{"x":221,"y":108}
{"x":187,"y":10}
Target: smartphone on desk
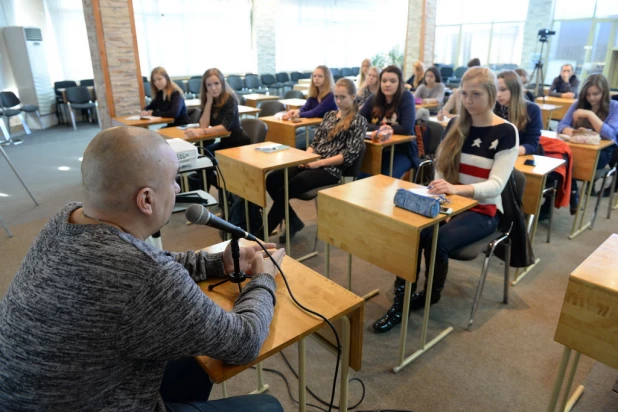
{"x":445,"y":210}
{"x":530,"y":162}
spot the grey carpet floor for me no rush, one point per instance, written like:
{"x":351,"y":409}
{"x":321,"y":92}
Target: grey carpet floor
{"x":507,"y":363}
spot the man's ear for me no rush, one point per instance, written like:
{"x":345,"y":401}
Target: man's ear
{"x":145,"y":201}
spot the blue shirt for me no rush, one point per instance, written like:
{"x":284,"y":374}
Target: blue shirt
{"x":609,"y":130}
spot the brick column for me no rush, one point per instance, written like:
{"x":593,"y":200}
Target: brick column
{"x":539,"y":16}
{"x":264,"y":34}
{"x":115,"y":59}
{"x":420,"y":39}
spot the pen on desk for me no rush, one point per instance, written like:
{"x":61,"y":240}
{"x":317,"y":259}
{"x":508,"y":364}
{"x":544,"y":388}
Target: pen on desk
{"x":429,"y":187}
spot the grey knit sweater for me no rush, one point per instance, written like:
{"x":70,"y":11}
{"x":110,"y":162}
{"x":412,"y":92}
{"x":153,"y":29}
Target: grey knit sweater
{"x":94,"y":313}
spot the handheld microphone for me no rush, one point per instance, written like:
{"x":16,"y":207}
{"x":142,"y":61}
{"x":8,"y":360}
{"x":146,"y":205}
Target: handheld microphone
{"x":198,"y":214}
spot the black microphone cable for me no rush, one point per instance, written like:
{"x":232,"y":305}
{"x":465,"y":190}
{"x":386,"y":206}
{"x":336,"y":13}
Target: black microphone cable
{"x":287,"y":285}
{"x":215,"y":163}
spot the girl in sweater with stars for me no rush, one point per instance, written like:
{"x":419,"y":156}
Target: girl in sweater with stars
{"x":474,"y":160}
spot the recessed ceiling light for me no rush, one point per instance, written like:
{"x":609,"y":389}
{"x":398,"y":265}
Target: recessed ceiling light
{"x":64,"y":168}
{"x":3,"y":195}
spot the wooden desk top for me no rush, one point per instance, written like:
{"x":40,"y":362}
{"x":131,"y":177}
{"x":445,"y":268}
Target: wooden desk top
{"x":258,"y":96}
{"x":545,"y":106}
{"x":293,"y":102}
{"x":442,"y":122}
{"x":555,"y":100}
{"x":267,"y":161}
{"x":290,"y":323}
{"x":427,"y":105}
{"x":544,"y":164}
{"x":375,"y":195}
{"x":304,"y":121}
{"x":395,"y":139}
{"x":247,"y":110}
{"x":193,"y":102}
{"x":175,"y":133}
{"x":593,"y":147}
{"x":123,"y":120}
{"x":600,"y":269}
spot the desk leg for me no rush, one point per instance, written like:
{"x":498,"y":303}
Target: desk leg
{"x":345,"y":365}
{"x":565,"y":396}
{"x":586,"y":191}
{"x":425,"y":346}
{"x":390,"y":171}
{"x":302,"y":376}
{"x":349,"y":271}
{"x":261,"y":387}
{"x":306,"y":137}
{"x":287,"y":212}
{"x":532,"y":221}
{"x":327,"y":260}
{"x":566,"y":354}
{"x":224,"y":389}
{"x":247,"y":223}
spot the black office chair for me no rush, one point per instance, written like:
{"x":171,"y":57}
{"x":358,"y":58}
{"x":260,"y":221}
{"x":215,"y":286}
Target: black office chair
{"x":11,"y":107}
{"x":252,"y":81}
{"x":295,"y":76}
{"x":346,"y":71}
{"x":446,"y":71}
{"x":194,"y":87}
{"x":432,"y":137}
{"x":255,"y":128}
{"x":148,"y":92}
{"x":144,"y":79}
{"x":355,"y":71}
{"x":489,"y":244}
{"x":237,"y":84}
{"x":194,"y":114}
{"x":306,"y":75}
{"x":241,"y":99}
{"x":294,"y":94}
{"x":79,"y":98}
{"x":182,"y":85}
{"x":336,"y":73}
{"x":353,"y":171}
{"x":270,"y":82}
{"x":271,"y":107}
{"x":284,"y":79}
{"x":60,"y":105}
{"x":87,"y":82}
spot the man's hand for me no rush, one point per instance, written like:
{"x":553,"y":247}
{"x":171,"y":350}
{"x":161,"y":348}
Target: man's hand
{"x":247,"y":254}
{"x":265,"y":265}
{"x":569,"y":95}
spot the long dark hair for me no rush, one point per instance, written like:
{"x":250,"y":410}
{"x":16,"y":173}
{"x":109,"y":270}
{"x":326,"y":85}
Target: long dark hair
{"x":382,"y":109}
{"x":582,"y":102}
{"x":226,"y":90}
{"x":436,"y":73}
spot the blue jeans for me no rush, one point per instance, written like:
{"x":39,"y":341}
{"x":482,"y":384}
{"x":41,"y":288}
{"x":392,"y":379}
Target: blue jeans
{"x":186,"y":387}
{"x":463,"y":229}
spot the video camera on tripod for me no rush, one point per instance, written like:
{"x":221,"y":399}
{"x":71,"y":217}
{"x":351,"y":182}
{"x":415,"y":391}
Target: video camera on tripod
{"x":537,"y":73}
{"x":543,"y":33}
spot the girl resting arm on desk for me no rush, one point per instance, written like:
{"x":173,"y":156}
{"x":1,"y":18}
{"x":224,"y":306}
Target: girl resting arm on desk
{"x":370,"y":86}
{"x":512,"y":106}
{"x":594,"y":110}
{"x":432,"y":92}
{"x":475,"y":160}
{"x":219,"y":112}
{"x":417,"y":77}
{"x":338,"y":140}
{"x":394,"y":106}
{"x":320,"y":99}
{"x":169,"y":100}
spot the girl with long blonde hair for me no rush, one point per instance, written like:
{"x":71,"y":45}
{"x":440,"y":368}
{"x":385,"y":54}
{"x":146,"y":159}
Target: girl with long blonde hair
{"x":512,"y":106}
{"x":370,"y":86}
{"x":168,"y":101}
{"x":362,"y":76}
{"x":320,"y":98}
{"x":475,"y":159}
{"x":338,"y":140}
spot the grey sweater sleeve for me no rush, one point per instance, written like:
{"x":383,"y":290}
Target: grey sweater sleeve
{"x":171,"y":318}
{"x":201,"y":265}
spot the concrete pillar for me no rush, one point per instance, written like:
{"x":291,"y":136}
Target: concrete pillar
{"x":264,"y":37}
{"x":420,"y":38}
{"x":539,"y":16}
{"x":115,"y":59}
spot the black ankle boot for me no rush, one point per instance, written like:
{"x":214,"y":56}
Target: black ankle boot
{"x":296,"y":225}
{"x":394,"y":314}
{"x":417,"y":301}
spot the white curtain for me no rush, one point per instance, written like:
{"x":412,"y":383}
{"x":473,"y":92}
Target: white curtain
{"x":186,"y":37}
{"x":7,"y":18}
{"x":66,"y":41}
{"x":338,"y":33}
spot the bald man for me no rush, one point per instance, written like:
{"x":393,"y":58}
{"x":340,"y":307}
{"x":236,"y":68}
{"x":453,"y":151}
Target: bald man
{"x":94,"y":313}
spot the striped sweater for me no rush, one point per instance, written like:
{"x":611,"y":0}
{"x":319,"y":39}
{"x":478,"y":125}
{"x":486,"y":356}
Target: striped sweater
{"x":93,"y":314}
{"x":487,"y":160}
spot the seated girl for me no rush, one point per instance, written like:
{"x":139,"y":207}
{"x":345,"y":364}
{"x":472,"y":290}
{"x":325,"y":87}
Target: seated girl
{"x":219,"y":112}
{"x":169,"y":100}
{"x":432,"y":92}
{"x":338,"y":141}
{"x":393,"y":106}
{"x":370,"y":87}
{"x":525,"y":115}
{"x":475,"y":159}
{"x":362,"y":76}
{"x":451,"y":107}
{"x":593,"y":110}
{"x":417,"y":77}
{"x":320,"y":99}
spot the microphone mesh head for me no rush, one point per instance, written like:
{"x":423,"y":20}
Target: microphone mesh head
{"x":196,"y":214}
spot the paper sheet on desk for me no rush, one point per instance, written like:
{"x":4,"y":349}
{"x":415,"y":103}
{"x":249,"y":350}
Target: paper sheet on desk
{"x":423,"y":191}
{"x":133,"y":118}
{"x":272,"y":147}
{"x":138,"y":117}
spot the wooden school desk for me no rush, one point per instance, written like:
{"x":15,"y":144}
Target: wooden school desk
{"x":361,"y":219}
{"x":556,"y":114}
{"x":589,"y":317}
{"x":291,"y":104}
{"x":546,"y":112}
{"x":585,"y":159}
{"x":127,"y":121}
{"x":253,"y":99}
{"x":242,"y":110}
{"x":290,"y":324}
{"x":372,"y":162}
{"x":536,"y":176}
{"x":284,"y":131}
{"x":245,"y":170}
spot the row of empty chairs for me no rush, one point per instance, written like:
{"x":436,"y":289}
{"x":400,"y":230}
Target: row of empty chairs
{"x":82,"y":97}
{"x":10,"y":106}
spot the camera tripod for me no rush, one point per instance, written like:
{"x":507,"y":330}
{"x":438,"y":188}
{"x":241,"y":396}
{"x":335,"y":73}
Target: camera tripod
{"x":539,"y":81}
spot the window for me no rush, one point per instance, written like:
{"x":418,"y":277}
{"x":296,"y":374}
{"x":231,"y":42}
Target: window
{"x":506,"y":43}
{"x":573,"y":9}
{"x":447,"y":44}
{"x":338,"y":33}
{"x":188,"y":37}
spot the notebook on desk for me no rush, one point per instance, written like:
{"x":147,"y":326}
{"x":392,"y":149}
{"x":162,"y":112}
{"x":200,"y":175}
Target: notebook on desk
{"x":272,"y":147}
